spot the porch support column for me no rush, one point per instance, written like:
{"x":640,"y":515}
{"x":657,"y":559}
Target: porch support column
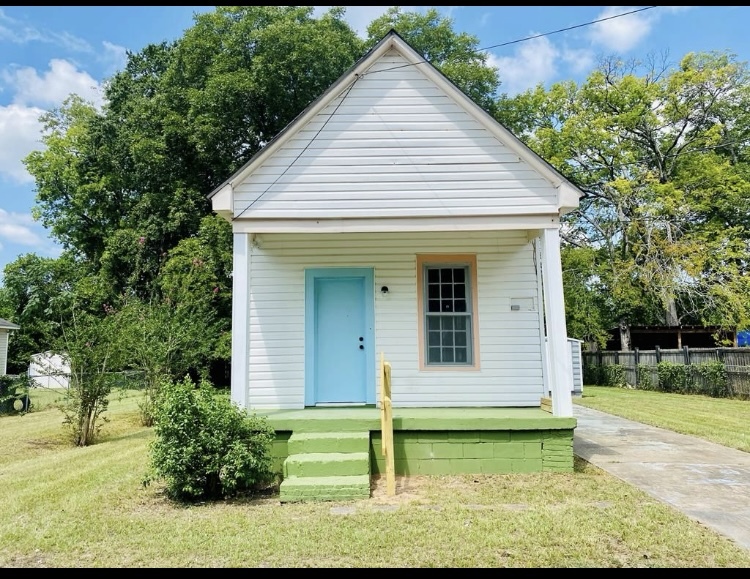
{"x":240,"y":318}
{"x":559,"y":363}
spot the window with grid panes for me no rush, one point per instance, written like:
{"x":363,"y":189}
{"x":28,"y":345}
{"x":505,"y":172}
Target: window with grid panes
{"x":447,"y":315}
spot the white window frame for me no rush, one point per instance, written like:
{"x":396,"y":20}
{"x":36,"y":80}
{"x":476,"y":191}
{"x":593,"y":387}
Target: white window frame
{"x":469,"y":264}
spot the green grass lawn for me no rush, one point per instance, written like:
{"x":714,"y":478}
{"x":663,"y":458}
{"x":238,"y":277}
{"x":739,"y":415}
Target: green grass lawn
{"x":721,"y":420}
{"x":87,"y":507}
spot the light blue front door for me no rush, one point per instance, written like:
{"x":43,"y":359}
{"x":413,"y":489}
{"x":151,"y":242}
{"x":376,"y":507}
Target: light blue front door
{"x":339,"y":349}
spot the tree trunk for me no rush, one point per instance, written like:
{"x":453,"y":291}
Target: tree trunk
{"x":624,"y":335}
{"x":670,"y":314}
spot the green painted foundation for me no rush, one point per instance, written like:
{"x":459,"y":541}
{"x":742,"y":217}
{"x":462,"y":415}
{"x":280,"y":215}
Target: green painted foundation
{"x":476,"y":452}
{"x":331,"y":453}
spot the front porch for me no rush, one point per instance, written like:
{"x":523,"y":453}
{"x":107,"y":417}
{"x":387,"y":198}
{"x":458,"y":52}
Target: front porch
{"x":329,"y":453}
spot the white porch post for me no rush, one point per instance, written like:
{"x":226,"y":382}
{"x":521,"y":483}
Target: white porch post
{"x":240,"y":318}
{"x":559,"y":364}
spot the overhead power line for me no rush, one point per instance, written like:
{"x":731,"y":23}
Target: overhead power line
{"x":346,"y":92}
{"x":479,"y":50}
{"x":566,"y":29}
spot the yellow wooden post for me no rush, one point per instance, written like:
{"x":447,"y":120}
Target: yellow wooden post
{"x":386,"y":426}
{"x":390,"y":468}
{"x":382,"y":403}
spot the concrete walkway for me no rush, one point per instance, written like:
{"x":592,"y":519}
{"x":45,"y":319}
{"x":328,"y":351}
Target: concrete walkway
{"x":708,"y":482}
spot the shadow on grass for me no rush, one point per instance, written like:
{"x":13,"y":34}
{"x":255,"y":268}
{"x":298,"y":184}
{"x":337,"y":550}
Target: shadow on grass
{"x":145,"y":433}
{"x":582,"y":466}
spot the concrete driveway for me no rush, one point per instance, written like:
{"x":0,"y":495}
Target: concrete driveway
{"x":708,"y":482}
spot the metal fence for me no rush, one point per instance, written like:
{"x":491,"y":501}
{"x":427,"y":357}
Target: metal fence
{"x":736,"y":363}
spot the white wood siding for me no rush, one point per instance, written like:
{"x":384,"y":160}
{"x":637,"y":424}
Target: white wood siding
{"x":3,"y":352}
{"x":577,"y":361}
{"x":396,"y":145}
{"x":510,"y":342}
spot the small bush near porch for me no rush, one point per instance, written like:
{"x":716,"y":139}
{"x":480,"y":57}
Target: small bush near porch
{"x":86,"y":507}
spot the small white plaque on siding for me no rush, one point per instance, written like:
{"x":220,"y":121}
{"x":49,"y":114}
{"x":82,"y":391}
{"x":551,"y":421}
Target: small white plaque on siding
{"x":522,"y":304}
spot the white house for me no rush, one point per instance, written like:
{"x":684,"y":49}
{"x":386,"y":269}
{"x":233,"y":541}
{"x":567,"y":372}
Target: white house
{"x":394,"y":215}
{"x":6,"y":328}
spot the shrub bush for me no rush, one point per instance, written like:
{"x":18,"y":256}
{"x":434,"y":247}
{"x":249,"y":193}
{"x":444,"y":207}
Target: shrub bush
{"x":206,"y":447}
{"x":707,"y":378}
{"x":648,"y":378}
{"x":607,"y":375}
{"x":710,"y":378}
{"x":673,"y":377}
{"x":613,"y":375}
{"x":592,"y":374}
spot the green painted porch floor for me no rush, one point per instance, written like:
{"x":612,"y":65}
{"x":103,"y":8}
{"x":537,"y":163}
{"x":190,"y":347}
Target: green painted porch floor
{"x":367,"y":418}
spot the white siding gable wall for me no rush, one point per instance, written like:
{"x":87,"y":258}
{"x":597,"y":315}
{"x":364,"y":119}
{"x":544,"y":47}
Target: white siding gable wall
{"x":395,"y":145}
{"x":510,"y":341}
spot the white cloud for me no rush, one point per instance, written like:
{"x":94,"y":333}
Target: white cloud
{"x":16,"y":227}
{"x":53,"y":86}
{"x":20,"y":33}
{"x":14,"y":31}
{"x":624,"y":33}
{"x":580,"y":60}
{"x":621,"y":34}
{"x":20,"y":131}
{"x":115,"y":55}
{"x":532,"y":63}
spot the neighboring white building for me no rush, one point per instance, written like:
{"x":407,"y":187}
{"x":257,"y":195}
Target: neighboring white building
{"x":6,"y":328}
{"x":49,"y":370}
{"x":576,"y":368}
{"x":394,"y":215}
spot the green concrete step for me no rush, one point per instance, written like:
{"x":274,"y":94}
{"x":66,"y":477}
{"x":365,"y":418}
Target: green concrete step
{"x":323,"y":464}
{"x":324,"y":488}
{"x":305,"y":442}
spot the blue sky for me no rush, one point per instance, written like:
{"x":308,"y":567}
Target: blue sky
{"x":48,"y":52}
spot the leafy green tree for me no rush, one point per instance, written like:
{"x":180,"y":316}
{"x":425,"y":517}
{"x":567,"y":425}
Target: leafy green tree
{"x":659,"y":155}
{"x":189,"y":327}
{"x":91,"y":347}
{"x":35,"y":295}
{"x":73,"y":200}
{"x":197,"y":279}
{"x":584,"y":296}
{"x":123,"y":186}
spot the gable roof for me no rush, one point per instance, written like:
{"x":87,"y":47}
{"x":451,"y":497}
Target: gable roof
{"x":6,"y":325}
{"x":569,"y":194}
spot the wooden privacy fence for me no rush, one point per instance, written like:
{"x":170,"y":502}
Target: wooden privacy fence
{"x":736,"y":363}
